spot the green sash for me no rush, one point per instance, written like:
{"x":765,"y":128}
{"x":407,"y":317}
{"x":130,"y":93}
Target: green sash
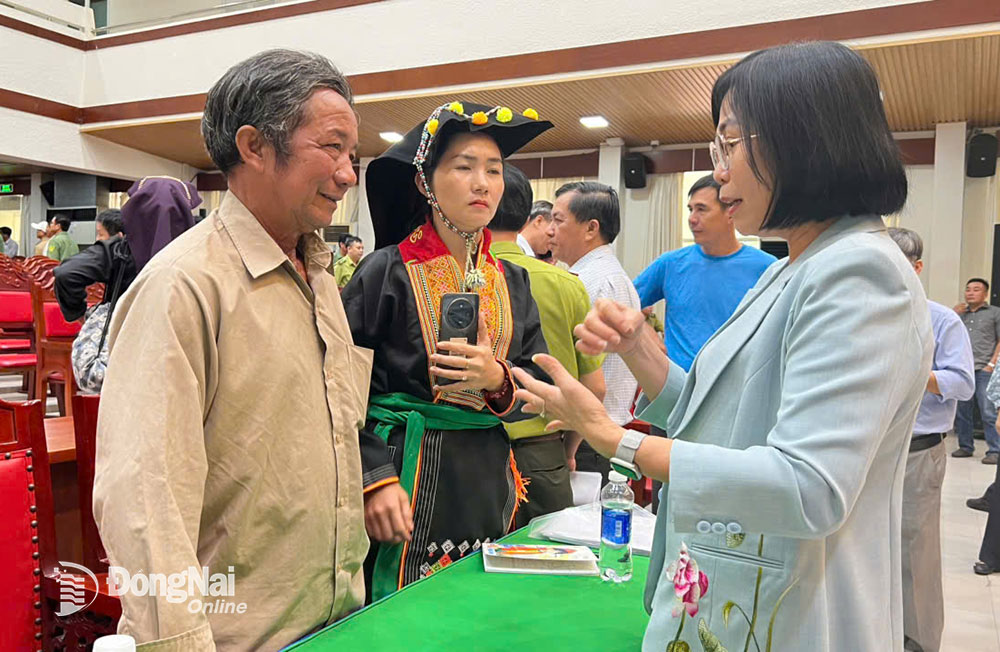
{"x":398,"y":409}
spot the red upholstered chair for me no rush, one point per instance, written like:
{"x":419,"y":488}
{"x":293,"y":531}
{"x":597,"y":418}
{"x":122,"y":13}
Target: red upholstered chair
{"x":17,"y":354}
{"x":54,"y":343}
{"x":27,"y":538}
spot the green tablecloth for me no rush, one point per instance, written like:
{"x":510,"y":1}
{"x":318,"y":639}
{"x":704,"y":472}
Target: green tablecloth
{"x":465,"y":608}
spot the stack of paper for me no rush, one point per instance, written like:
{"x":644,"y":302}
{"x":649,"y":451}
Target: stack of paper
{"x":582,"y":525}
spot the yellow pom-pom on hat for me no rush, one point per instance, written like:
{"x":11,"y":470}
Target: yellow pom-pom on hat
{"x":504,"y":114}
{"x":432,"y":126}
{"x":479,"y":118}
{"x":530,"y":113}
{"x":456,"y":107}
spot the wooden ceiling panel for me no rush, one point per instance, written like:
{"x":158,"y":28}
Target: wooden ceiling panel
{"x":178,"y":140}
{"x":924,"y":83}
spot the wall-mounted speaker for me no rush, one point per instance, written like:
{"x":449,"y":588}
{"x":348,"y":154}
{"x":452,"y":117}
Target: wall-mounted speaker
{"x":49,"y":192}
{"x":634,"y":170}
{"x":981,"y":156}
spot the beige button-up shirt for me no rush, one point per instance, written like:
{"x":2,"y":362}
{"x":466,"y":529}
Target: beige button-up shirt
{"x":228,"y":438}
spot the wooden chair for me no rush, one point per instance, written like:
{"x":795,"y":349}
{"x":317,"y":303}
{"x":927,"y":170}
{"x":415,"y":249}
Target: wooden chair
{"x":36,"y":263}
{"x":30,"y":573}
{"x":54,"y":345}
{"x":77,"y":632}
{"x":85,"y":407}
{"x":27,"y":538}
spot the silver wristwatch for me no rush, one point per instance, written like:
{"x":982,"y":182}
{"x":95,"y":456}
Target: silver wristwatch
{"x":624,"y":459}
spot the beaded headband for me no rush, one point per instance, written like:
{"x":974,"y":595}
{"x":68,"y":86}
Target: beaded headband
{"x":474,"y":278}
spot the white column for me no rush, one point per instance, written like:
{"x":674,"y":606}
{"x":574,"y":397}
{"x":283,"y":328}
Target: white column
{"x":366,"y":230}
{"x":35,"y":213}
{"x":609,"y":171}
{"x":978,"y":216}
{"x":944,"y":244}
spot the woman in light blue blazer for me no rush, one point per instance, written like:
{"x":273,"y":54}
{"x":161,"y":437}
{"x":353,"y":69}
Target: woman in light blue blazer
{"x":779,"y":525}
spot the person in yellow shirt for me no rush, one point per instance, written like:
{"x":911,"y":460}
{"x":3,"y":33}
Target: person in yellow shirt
{"x":545,"y":458}
{"x":344,"y":268}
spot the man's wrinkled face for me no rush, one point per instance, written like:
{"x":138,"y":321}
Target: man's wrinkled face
{"x":572,"y":238}
{"x":320,"y":164}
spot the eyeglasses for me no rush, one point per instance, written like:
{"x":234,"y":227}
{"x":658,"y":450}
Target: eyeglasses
{"x":721,"y":148}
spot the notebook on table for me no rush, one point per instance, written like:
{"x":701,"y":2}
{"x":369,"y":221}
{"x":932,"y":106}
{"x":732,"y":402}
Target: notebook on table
{"x":539,"y":559}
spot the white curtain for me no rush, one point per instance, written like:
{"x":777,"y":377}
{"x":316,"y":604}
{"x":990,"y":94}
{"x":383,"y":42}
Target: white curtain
{"x":663,"y":230}
{"x":347,"y":209}
{"x":546,"y":188}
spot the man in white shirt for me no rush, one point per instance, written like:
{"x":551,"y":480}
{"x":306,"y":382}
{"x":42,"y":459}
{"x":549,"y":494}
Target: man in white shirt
{"x":9,"y":244}
{"x":586,"y":217}
{"x":535,"y":239}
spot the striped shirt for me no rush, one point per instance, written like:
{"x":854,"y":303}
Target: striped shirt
{"x":605,"y":278}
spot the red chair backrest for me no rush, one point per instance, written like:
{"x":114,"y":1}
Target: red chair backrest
{"x":49,"y":322}
{"x":55,"y":325}
{"x":85,"y":408}
{"x":15,"y":306}
{"x":27,"y":538}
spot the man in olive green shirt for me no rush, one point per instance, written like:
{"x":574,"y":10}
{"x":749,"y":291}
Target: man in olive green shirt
{"x":60,"y":246}
{"x":545,"y":458}
{"x":344,"y":268}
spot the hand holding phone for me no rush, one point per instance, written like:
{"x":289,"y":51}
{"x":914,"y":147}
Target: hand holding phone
{"x":459,"y":317}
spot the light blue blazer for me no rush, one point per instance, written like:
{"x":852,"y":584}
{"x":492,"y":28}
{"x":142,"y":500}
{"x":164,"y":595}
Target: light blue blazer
{"x":791,"y":433}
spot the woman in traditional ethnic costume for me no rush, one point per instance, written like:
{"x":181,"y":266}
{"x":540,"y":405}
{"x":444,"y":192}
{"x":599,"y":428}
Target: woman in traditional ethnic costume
{"x":439,"y":475}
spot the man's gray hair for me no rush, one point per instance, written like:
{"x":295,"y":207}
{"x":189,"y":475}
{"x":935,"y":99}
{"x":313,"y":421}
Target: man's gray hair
{"x":542,"y":208}
{"x":909,"y":242}
{"x":267,"y":91}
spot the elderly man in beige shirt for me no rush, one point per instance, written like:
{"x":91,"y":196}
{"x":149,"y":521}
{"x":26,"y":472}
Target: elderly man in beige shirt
{"x":227,"y":437}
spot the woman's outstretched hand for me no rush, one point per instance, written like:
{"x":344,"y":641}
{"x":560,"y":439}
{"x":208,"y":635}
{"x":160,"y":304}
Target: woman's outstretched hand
{"x":567,"y":405}
{"x":610,"y":327}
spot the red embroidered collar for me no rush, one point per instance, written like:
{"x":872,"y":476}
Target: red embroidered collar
{"x":424,"y":244}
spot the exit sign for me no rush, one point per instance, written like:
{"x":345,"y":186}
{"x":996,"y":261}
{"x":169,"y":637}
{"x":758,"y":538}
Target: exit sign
{"x":6,"y":188}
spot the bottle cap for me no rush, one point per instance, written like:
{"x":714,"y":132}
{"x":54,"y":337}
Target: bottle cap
{"x":615,"y":476}
{"x":115,"y":643}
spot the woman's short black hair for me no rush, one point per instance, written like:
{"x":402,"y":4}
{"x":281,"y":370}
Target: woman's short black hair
{"x":819,"y":128}
{"x":515,"y":205}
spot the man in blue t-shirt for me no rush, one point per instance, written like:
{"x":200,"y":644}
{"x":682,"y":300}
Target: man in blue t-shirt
{"x":702,"y":283}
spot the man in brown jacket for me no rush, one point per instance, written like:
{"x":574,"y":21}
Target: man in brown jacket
{"x":227,"y":437}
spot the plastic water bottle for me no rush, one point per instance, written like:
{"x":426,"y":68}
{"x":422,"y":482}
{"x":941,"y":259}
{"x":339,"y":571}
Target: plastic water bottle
{"x":615,"y":561}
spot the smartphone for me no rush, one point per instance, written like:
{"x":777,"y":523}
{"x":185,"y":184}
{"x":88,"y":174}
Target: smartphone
{"x":459,"y":321}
